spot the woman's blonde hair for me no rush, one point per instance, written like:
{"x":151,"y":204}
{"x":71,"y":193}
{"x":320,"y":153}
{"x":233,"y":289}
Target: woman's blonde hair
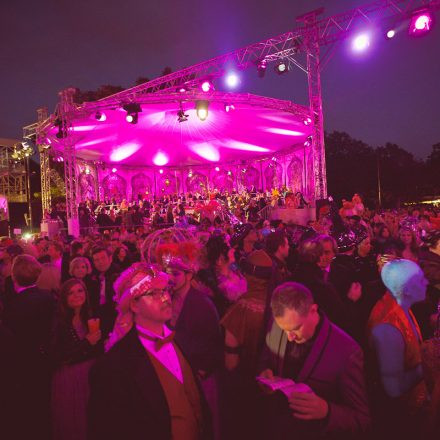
{"x":77,"y":261}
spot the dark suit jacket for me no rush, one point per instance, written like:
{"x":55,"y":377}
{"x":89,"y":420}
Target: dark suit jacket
{"x":126,"y":397}
{"x":333,"y":370}
{"x":198,"y":332}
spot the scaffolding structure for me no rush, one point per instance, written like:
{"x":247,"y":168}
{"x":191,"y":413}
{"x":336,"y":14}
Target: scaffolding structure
{"x":299,"y":48}
{"x":13,"y":183}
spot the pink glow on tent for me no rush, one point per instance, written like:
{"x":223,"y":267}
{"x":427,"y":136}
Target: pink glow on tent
{"x":223,"y":137}
{"x":284,"y":131}
{"x":123,"y":152}
{"x":160,"y":159}
{"x":236,"y":145}
{"x":206,"y":151}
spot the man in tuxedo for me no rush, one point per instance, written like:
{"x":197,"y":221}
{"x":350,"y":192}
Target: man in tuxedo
{"x":144,"y":386}
{"x":28,"y":315}
{"x":329,"y":399}
{"x":102,"y":292}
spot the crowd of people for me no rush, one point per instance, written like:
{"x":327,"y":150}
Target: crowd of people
{"x":244,"y":328}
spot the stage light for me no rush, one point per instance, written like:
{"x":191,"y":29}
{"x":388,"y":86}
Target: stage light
{"x":281,"y":67}
{"x":100,"y":116}
{"x":160,"y":159}
{"x":361,"y":42}
{"x":229,"y":107}
{"x":202,"y":106}
{"x":421,"y":23}
{"x":206,"y":86}
{"x":308,"y":142}
{"x":217,"y":168}
{"x":114,"y":170}
{"x":232,"y":80}
{"x":161,"y":171}
{"x":307,"y":121}
{"x":133,"y":109}
{"x":87,"y":170}
{"x":390,"y":34}
{"x":229,"y":173}
{"x":261,"y":68}
{"x":190,"y":174}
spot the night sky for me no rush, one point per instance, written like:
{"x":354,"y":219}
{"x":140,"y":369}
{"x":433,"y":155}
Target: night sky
{"x":392,"y":94}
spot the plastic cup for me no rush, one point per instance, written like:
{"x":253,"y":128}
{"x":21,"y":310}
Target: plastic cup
{"x":93,"y":325}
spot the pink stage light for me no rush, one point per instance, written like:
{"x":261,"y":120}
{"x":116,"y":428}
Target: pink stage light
{"x":232,"y":80}
{"x":284,"y":131}
{"x":206,"y":86}
{"x":160,"y":159}
{"x":123,"y":152}
{"x":161,"y":171}
{"x":420,"y":24}
{"x":217,"y":168}
{"x":361,"y":43}
{"x":114,"y":170}
{"x":236,"y":145}
{"x":207,"y":151}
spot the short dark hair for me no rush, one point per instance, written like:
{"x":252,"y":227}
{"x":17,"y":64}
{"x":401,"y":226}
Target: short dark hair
{"x":75,"y":247}
{"x":274,"y":240}
{"x":291,"y":296}
{"x":58,"y":246}
{"x":98,"y":249}
{"x":25,"y":270}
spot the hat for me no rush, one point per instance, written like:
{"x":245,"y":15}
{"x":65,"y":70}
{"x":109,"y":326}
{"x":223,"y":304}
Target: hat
{"x":240,"y":232}
{"x":345,"y":240}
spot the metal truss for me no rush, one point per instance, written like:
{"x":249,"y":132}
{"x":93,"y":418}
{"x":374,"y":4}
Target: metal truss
{"x":307,"y":39}
{"x":65,"y":127}
{"x":13,"y":183}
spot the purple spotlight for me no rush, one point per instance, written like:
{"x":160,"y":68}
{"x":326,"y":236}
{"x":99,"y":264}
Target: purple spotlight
{"x":361,"y":43}
{"x":114,"y":170}
{"x":232,"y":80}
{"x":420,"y":23}
{"x":217,"y":168}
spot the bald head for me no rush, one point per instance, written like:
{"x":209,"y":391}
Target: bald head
{"x":404,"y":278}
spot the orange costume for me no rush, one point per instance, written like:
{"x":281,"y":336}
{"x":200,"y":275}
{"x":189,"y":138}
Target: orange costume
{"x":388,"y":311}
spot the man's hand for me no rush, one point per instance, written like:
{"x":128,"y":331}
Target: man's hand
{"x":355,"y":291}
{"x":308,"y":406}
{"x":267,"y":374}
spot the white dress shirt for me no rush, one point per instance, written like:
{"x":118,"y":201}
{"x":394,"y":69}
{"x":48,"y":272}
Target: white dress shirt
{"x":167,"y":355}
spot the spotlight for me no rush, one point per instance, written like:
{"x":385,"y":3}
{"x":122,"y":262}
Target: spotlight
{"x":361,"y":43}
{"x":307,"y":121}
{"x":390,"y":34}
{"x":202,"y":106}
{"x":133,"y":109}
{"x":100,"y":116}
{"x":421,"y":23}
{"x":261,"y":68}
{"x":229,"y":107}
{"x":161,"y":171}
{"x":190,"y":174}
{"x":217,"y":168}
{"x":206,"y":86}
{"x":281,"y":67}
{"x":87,"y":170}
{"x":308,"y":142}
{"x":229,"y":173}
{"x":114,"y":170}
{"x":182,"y":89}
{"x":232,"y":80}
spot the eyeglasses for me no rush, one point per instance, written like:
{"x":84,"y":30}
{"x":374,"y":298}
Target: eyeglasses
{"x":155,"y":293}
